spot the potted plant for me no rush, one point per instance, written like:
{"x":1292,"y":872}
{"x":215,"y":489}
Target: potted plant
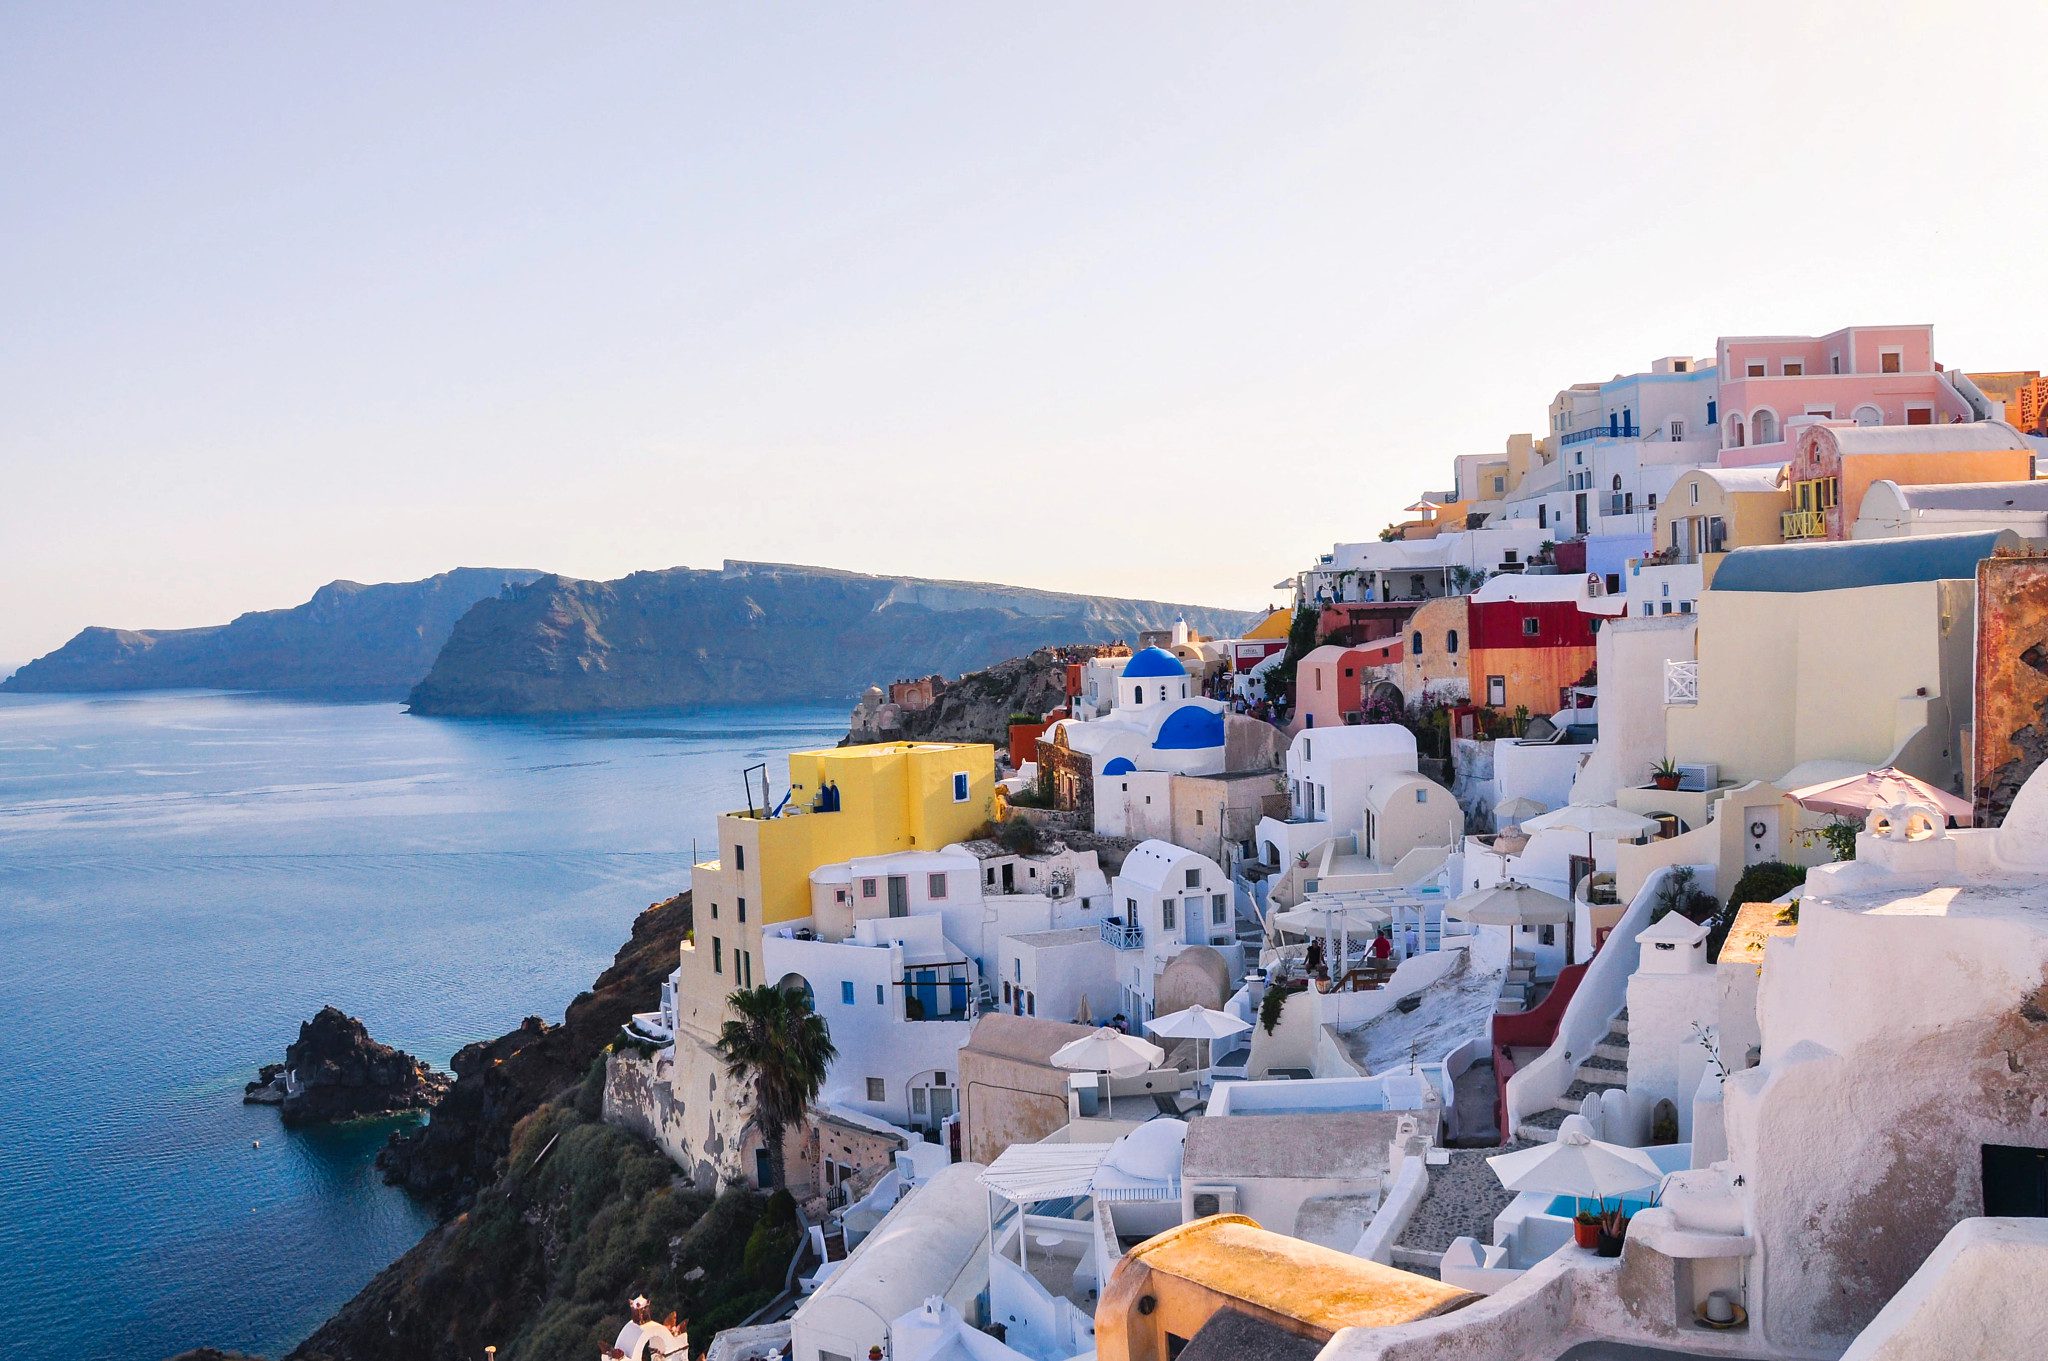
{"x":1586,"y":1228}
{"x":1612,"y":1231}
{"x":1664,"y":774}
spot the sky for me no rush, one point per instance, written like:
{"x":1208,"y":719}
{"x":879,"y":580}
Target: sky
{"x":1148,"y":299}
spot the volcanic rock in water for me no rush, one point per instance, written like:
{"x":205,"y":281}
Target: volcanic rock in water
{"x":335,"y":1071}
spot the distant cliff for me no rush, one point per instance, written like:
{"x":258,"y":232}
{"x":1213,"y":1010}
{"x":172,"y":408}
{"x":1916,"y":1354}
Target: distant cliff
{"x":754,"y":633}
{"x":348,"y":639}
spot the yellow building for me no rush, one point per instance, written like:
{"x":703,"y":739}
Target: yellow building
{"x":1273,"y":626}
{"x":1712,"y":511}
{"x":841,"y":802}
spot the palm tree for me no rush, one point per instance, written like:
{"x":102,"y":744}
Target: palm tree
{"x":783,"y":1047}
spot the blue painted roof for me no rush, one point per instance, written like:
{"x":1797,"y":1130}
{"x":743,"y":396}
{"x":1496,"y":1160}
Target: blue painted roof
{"x":1119,"y":765}
{"x":1796,"y":568}
{"x":1190,"y":728}
{"x":1153,"y":661}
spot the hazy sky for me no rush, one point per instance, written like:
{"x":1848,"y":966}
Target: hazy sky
{"x":1144,"y":299}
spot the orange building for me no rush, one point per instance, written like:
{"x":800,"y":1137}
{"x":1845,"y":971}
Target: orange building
{"x":1833,"y":465}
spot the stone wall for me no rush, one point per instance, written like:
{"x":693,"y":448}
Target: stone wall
{"x":2011,"y":721}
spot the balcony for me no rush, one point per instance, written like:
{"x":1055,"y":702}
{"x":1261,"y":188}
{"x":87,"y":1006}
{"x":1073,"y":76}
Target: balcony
{"x":1614,"y":429}
{"x":1121,"y":935}
{"x":1681,"y":683}
{"x":1803,"y":524}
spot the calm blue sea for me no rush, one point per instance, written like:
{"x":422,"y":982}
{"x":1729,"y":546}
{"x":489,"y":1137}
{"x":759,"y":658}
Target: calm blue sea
{"x":184,"y":877}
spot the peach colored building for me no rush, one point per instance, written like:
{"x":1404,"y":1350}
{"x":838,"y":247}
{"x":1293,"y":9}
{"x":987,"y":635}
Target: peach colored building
{"x":1871,"y":375}
{"x":1333,"y":682}
{"x":1834,"y":464}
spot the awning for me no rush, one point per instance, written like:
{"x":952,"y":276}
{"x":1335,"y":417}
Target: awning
{"x":1026,"y":1173}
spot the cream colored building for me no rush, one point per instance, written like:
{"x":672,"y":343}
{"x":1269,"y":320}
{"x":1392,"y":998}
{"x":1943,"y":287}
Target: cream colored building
{"x":1857,"y":653}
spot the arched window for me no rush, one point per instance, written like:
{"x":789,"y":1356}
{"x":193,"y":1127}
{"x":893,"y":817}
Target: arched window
{"x":1415,"y":642}
{"x":1617,"y":481}
{"x":1451,"y":640}
{"x":1137,"y":694}
{"x":1735,"y":432}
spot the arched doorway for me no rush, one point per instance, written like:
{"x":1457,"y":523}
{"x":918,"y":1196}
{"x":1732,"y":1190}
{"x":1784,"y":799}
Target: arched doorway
{"x":1763,"y":427}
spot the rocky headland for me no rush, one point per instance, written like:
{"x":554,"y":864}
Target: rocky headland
{"x":334,"y":1071}
{"x":977,"y":707}
{"x":350,"y":639}
{"x":753,"y":633}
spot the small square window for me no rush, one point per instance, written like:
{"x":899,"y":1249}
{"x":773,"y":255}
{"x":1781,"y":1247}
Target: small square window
{"x":867,"y":888}
{"x":1793,"y":368}
{"x":935,"y":884}
{"x":1756,"y":368}
{"x":846,"y":992}
{"x":1531,"y":626}
{"x":1422,"y":796}
{"x":1890,"y":361}
{"x":876,"y":1091}
{"x":1194,"y":878}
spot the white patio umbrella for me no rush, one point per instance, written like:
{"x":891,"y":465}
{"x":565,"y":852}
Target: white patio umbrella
{"x":1199,"y":1023}
{"x":1109,"y":1051}
{"x":1333,"y":917}
{"x":1511,"y":812}
{"x":1576,"y":1165}
{"x":1512,"y":903}
{"x":1602,"y":820}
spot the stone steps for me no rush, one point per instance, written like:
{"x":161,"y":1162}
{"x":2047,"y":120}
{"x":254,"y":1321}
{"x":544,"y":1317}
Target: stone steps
{"x":1605,"y":1068}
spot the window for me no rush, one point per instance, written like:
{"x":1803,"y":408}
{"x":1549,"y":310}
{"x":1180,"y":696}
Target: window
{"x":1137,"y":694}
{"x":1030,"y":1004}
{"x":1542,"y":516}
{"x":1685,"y":607}
{"x":846,"y":992}
{"x":1194,"y":878}
{"x":1695,"y":493}
{"x":1451,"y":640}
{"x":1198,"y":817}
{"x":742,"y":909}
{"x":1006,"y":992}
{"x":876,"y":1091}
{"x":881,"y":995}
{"x":714,"y":912}
{"x":1219,"y":910}
{"x":917,"y":1099}
{"x":1919,"y":415}
{"x":1890,"y":361}
{"x":1834,"y":363}
{"x":1421,"y":794}
{"x":1166,"y":913}
{"x":867,"y":888}
{"x":1653,"y":500}
{"x":1500,"y":485}
{"x":838,"y":895}
{"x":717,"y":955}
{"x":1497,"y":690}
{"x":1531,"y":626}
{"x":1415,"y":642}
{"x":1793,"y":368}
{"x":1756,"y":368}
{"x":1613,"y":583}
{"x":960,"y":785}
{"x":1617,"y":482}
{"x":935,"y":884}
{"x":1677,"y":428}
{"x":739,"y":857}
{"x":1680,"y":365}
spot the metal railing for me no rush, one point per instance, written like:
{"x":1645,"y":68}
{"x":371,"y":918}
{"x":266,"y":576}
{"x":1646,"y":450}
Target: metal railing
{"x":1123,"y":935}
{"x":1803,"y":524}
{"x":1612,"y":430}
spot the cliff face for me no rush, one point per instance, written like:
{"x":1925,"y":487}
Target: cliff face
{"x":349,"y":638}
{"x":752,"y":633}
{"x":976,"y":707}
{"x":500,"y":1082}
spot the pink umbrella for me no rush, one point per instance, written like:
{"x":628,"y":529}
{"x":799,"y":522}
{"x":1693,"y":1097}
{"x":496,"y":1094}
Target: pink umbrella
{"x":1858,"y":794}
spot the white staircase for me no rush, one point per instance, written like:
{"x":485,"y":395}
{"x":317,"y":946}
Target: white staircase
{"x":1605,"y":1067}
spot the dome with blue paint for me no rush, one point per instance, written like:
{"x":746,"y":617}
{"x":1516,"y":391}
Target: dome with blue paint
{"x":1119,"y":765}
{"x":1153,"y":661}
{"x":1190,"y":728}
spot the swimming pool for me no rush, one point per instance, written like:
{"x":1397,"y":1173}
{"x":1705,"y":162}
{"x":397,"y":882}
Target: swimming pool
{"x":1564,"y":1207}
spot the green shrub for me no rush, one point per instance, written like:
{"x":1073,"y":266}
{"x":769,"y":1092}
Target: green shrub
{"x":1276,"y":998}
{"x":1762,"y":882}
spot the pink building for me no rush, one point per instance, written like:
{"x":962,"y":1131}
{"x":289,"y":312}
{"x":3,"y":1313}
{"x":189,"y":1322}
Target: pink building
{"x":1332,"y":683}
{"x":1872,"y":375}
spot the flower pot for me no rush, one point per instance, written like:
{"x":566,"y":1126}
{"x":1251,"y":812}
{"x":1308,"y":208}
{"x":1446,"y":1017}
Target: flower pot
{"x":1609,"y":1244}
{"x":1586,"y":1233}
{"x":1664,"y":781}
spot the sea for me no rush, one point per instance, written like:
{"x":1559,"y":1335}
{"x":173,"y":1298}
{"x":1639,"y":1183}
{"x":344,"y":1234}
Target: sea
{"x":186,"y":876}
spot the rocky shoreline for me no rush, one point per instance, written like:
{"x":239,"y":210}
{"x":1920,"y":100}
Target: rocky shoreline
{"x":334,"y":1071}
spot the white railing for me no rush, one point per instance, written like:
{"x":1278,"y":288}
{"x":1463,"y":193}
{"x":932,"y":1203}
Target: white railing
{"x":1602,"y":992}
{"x":1681,"y":682}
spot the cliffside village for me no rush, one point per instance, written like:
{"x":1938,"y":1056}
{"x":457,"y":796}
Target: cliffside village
{"x":1602,"y":915}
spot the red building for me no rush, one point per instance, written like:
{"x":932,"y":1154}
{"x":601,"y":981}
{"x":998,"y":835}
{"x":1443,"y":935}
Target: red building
{"x":1531,"y":640}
